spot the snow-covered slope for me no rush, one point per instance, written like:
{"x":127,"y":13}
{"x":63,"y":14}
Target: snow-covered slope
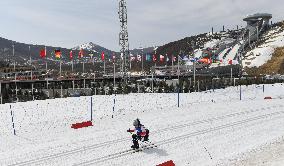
{"x":87,"y":46}
{"x":261,"y":54}
{"x":209,"y":128}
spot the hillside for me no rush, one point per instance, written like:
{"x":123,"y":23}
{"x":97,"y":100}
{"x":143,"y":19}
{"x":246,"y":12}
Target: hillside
{"x":22,"y":53}
{"x":273,"y":66}
{"x":269,"y":51}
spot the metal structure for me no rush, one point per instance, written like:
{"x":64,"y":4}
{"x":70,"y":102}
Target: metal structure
{"x":123,"y":38}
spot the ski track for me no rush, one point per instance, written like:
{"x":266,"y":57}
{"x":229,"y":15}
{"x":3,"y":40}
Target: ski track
{"x":128,"y":151}
{"x":186,"y":136}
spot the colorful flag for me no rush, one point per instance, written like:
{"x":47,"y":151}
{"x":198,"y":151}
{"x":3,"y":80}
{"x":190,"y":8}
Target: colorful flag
{"x":162,"y":58}
{"x":174,"y":58}
{"x":71,"y":55}
{"x":205,"y":60}
{"x":148,"y":57}
{"x":185,"y":58}
{"x":57,"y":54}
{"x":103,"y":56}
{"x":233,"y":62}
{"x":192,"y":59}
{"x":81,"y":53}
{"x":42,"y":53}
{"x":154,"y":58}
{"x":132,"y":57}
{"x":168,"y":59}
{"x":139,"y":58}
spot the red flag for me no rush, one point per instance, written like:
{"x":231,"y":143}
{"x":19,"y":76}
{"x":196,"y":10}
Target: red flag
{"x":42,"y":53}
{"x":162,"y":58}
{"x":103,"y":56}
{"x":230,"y":62}
{"x":154,"y":58}
{"x":81,"y":53}
{"x":174,"y":58}
{"x":71,"y":55}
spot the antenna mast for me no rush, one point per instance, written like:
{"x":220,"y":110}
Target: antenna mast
{"x":123,"y":39}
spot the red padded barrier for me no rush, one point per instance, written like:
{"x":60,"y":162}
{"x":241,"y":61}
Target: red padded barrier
{"x":268,"y":97}
{"x":168,"y":163}
{"x":81,"y":125}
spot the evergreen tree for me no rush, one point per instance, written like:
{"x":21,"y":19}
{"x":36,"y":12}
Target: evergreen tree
{"x":119,"y":88}
{"x":110,"y":91}
{"x":166,"y":88}
{"x":27,"y":95}
{"x":56,"y":95}
{"x":171,"y":88}
{"x":186,"y":87}
{"x":126,"y":89}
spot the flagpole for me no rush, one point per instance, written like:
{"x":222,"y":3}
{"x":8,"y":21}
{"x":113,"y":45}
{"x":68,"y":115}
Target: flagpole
{"x":45,"y":59}
{"x":172,"y":63}
{"x":114,"y":76}
{"x":72,"y":64}
{"x":30,"y":55}
{"x":104,"y":66}
{"x":31,"y":62}
{"x":130,"y":62}
{"x":142,"y":63}
{"x":14,"y":57}
{"x":46,"y":72}
{"x":178,"y":67}
{"x":60,"y":68}
{"x":93,"y":60}
{"x":83,"y":66}
{"x":178,"y":79}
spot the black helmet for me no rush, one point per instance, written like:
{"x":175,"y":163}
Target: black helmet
{"x":136,"y":122}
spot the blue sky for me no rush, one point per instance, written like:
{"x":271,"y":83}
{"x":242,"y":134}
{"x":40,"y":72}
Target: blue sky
{"x":68,"y":23}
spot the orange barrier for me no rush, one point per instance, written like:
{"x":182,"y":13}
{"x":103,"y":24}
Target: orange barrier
{"x":168,"y":163}
{"x":81,"y":125}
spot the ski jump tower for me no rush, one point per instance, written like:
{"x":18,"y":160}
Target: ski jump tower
{"x":256,"y":24}
{"x":123,"y":39}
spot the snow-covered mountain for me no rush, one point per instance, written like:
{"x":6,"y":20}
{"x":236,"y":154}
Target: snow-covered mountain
{"x":90,"y":46}
{"x":96,"y":48}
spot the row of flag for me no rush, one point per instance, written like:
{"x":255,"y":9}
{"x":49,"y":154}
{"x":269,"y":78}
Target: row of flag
{"x":58,"y":54}
{"x":139,"y":58}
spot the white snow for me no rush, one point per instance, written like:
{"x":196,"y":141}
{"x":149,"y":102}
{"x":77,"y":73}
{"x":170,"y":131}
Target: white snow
{"x":87,"y":46}
{"x":229,"y":128}
{"x":263,"y":53}
{"x":198,"y":53}
{"x":231,"y":55}
{"x":211,"y":43}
